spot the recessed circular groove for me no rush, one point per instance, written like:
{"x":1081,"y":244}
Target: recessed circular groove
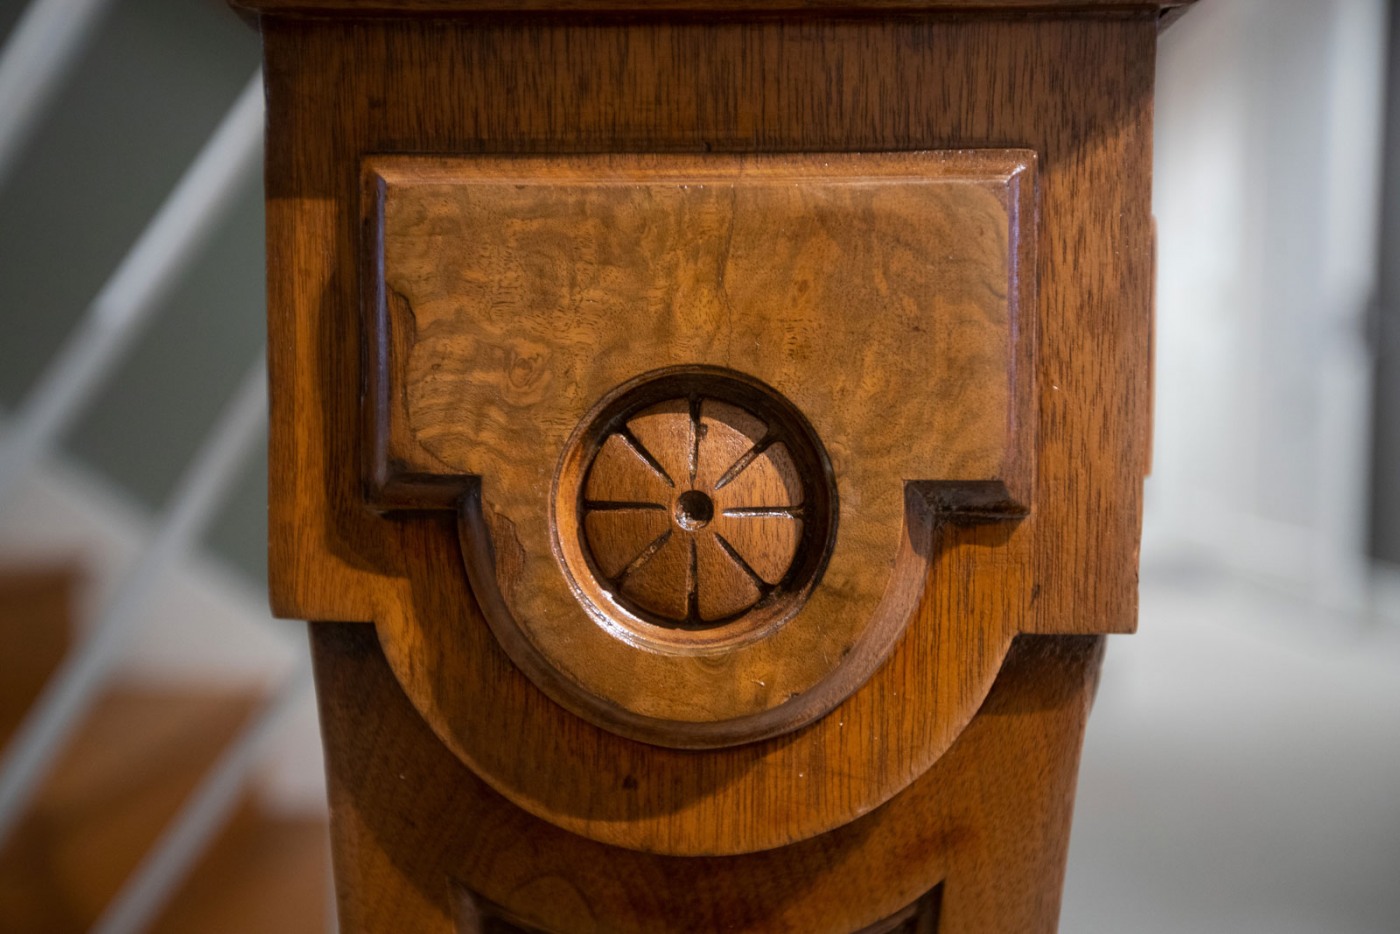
{"x":705,"y":504}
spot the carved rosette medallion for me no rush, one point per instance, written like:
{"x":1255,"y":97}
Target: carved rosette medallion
{"x":705,"y":508}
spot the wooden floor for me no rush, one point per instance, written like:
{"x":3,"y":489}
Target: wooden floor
{"x":35,"y":614}
{"x":119,"y":783}
{"x":266,"y":874}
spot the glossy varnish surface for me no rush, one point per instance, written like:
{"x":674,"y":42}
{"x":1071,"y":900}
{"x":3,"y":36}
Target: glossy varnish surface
{"x":878,"y":308}
{"x":1075,"y":90}
{"x":436,"y":851}
{"x":789,"y":7}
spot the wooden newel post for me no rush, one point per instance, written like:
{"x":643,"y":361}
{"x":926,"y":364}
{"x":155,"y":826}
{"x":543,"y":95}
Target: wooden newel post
{"x":709,"y":437}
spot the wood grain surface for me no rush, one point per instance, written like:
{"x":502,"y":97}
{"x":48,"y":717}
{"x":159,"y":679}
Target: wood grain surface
{"x":989,"y":821}
{"x":730,"y":502}
{"x":809,"y":7}
{"x":1076,"y":90}
{"x":885,"y":299}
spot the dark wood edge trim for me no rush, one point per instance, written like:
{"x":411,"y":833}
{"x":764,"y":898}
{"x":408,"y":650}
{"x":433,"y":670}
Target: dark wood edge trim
{"x":1171,"y":14}
{"x":1023,"y":423}
{"x":375,"y":349}
{"x":444,"y":9}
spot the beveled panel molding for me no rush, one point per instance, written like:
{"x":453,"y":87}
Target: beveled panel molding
{"x":872,"y":301}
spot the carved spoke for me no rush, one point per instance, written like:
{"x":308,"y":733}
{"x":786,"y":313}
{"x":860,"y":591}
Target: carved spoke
{"x":693,"y":510}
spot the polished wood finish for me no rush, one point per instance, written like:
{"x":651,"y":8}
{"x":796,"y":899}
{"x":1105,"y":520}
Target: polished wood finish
{"x":266,"y":873}
{"x":826,"y":7}
{"x":484,"y":779}
{"x":991,"y":818}
{"x":720,"y":275}
{"x":121,"y":780}
{"x":36,"y":617}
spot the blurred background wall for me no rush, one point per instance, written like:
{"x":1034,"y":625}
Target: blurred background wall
{"x":1241,"y":766}
{"x":152,"y":85}
{"x":1268,"y":195}
{"x":1385,"y":465}
{"x":1268,"y":657}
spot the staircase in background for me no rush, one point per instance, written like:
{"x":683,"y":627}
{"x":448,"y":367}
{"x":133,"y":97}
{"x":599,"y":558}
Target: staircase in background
{"x":144,"y":707}
{"x":121,"y":779}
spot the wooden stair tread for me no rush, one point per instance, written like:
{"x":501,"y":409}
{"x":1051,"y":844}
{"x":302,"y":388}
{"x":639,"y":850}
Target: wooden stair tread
{"x":266,"y":873}
{"x":122,"y":778}
{"x":36,"y":613}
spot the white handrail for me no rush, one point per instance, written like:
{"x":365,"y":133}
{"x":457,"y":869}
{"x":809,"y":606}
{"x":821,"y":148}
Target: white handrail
{"x":152,"y":266}
{"x":43,"y":43}
{"x":70,"y":690}
{"x":166,"y":865}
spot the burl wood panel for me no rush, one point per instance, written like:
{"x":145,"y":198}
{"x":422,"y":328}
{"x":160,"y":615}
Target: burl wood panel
{"x":424,"y":845}
{"x":878,"y":292}
{"x":879,"y":295}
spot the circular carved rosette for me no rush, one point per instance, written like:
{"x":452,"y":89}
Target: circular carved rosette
{"x":692,"y":512}
{"x":705,"y":510}
{"x":690,"y":588}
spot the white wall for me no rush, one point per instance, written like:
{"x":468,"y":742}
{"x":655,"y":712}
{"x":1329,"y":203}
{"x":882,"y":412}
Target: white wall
{"x":1267,"y":191}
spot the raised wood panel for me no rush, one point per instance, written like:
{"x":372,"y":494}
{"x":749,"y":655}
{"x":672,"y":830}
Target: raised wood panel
{"x":880,"y":292}
{"x":860,"y":322}
{"x":1075,"y":91}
